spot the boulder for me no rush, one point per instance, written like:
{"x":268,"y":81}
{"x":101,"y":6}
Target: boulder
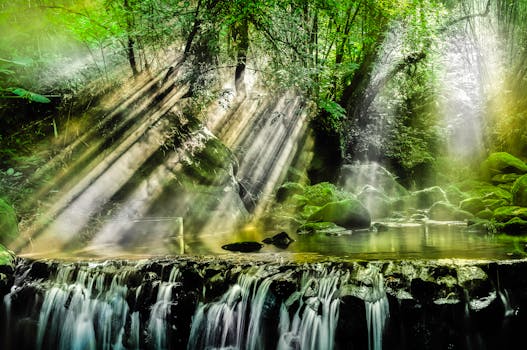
{"x":8,"y":223}
{"x":444,"y":211}
{"x":519,"y":191}
{"x":244,"y":247}
{"x":281,"y":240}
{"x":353,"y":177}
{"x":287,"y":190}
{"x":504,"y":214}
{"x":377,"y":203}
{"x":319,"y":227}
{"x":425,"y":198}
{"x":349,"y":213}
{"x":514,"y":226}
{"x":472,"y":205}
{"x":501,"y":163}
{"x":485,"y":214}
{"x":504,"y":178}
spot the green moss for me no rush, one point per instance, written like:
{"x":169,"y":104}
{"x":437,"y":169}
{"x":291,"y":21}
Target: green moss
{"x":501,"y":163}
{"x":314,"y":227}
{"x":444,"y":211}
{"x":287,"y":190}
{"x":349,"y":213}
{"x":6,"y":257}
{"x":504,"y":214}
{"x":424,"y":199}
{"x":8,"y":223}
{"x":472,"y":205}
{"x":519,"y":191}
{"x":504,"y":178}
{"x":485,"y":214}
{"x":514,"y":226}
{"x":323,"y":193}
{"x":455,"y":195}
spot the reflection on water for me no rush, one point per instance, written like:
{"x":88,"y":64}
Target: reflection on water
{"x":430,"y":240}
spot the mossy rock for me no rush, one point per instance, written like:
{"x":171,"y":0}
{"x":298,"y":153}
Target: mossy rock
{"x":485,"y":214}
{"x":519,"y":191}
{"x":377,"y":203}
{"x":504,"y":178}
{"x":444,"y":211}
{"x":8,"y":223}
{"x":349,"y":213}
{"x":455,"y":195}
{"x":425,"y":198}
{"x":324,"y":192}
{"x":493,"y":204}
{"x":319,"y":227}
{"x":489,"y":191}
{"x":289,"y":189}
{"x":7,"y":257}
{"x":504,"y":214}
{"x":472,"y":205}
{"x":501,"y":163}
{"x":514,"y":226}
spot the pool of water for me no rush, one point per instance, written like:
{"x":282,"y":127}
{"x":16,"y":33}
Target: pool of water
{"x":426,"y":240}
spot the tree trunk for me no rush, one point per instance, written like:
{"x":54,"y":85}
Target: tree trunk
{"x":131,"y":43}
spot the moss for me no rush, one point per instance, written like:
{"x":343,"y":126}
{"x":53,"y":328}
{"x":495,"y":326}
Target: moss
{"x":323,"y":193}
{"x":485,"y":214}
{"x":287,"y":190}
{"x":504,"y":178}
{"x":501,"y":163}
{"x":349,"y":213}
{"x":444,"y":211}
{"x":504,"y":214}
{"x":6,"y":256}
{"x":8,"y":223}
{"x":514,"y":226}
{"x":313,"y":227}
{"x":455,"y":195}
{"x":472,"y":205}
{"x":426,"y":198}
{"x":519,"y":191}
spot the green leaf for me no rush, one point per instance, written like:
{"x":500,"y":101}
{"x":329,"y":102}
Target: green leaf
{"x":30,"y":95}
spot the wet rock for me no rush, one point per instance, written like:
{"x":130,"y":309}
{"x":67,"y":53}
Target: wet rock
{"x":443,"y":211}
{"x":319,"y":227}
{"x":377,"y":203}
{"x":287,"y":190}
{"x":379,"y":227}
{"x":424,"y":199}
{"x":8,"y":223}
{"x":472,"y":205}
{"x":281,"y":240}
{"x":514,"y":226}
{"x":485,"y":214}
{"x":244,"y":247}
{"x":347,"y":213}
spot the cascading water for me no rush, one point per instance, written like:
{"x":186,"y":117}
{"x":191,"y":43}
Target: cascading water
{"x":208,"y":304}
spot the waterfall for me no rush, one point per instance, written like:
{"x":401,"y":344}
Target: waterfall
{"x":377,"y":312}
{"x":217,"y":304}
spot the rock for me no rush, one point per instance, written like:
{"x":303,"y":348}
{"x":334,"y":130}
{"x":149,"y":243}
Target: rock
{"x":281,"y":240}
{"x":8,"y":223}
{"x":244,"y":247}
{"x":287,"y":190}
{"x":379,"y":227}
{"x":324,"y":193}
{"x":485,"y":214}
{"x":348,"y":213}
{"x":424,"y":199}
{"x":504,"y":214}
{"x":494,"y":204}
{"x":455,"y":195}
{"x":444,"y":211}
{"x":501,"y":163}
{"x":519,"y":191}
{"x":353,"y":177}
{"x":514,"y":226}
{"x":472,"y":205}
{"x":504,"y":178}
{"x":319,"y":227}
{"x":377,"y":203}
